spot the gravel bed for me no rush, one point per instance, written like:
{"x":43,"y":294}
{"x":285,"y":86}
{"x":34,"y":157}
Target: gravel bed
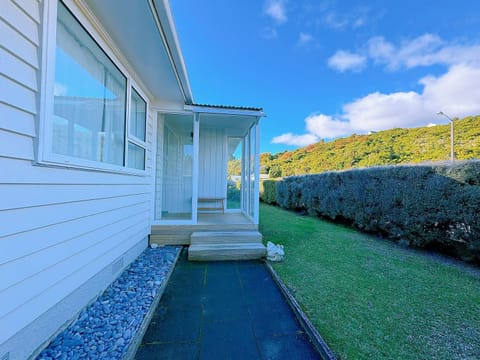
{"x":106,"y":328}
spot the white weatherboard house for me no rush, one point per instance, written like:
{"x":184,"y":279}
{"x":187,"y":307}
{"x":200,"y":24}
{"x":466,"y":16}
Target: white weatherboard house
{"x":102,"y":149}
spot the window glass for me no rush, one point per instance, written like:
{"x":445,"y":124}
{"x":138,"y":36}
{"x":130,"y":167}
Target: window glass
{"x":138,"y":111}
{"x":89,"y":97}
{"x":136,"y":156}
{"x":234,"y":172}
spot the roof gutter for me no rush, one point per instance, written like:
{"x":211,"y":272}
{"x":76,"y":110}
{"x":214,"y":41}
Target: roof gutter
{"x":166,"y":27}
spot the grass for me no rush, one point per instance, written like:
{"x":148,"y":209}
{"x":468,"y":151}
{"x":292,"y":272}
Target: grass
{"x":233,"y":204}
{"x":371,"y":299}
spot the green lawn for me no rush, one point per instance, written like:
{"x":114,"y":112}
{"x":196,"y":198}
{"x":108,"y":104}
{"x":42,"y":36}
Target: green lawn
{"x":371,"y":299}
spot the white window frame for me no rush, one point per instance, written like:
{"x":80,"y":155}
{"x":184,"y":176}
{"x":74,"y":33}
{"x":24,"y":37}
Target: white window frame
{"x":45,"y":155}
{"x":130,"y":138}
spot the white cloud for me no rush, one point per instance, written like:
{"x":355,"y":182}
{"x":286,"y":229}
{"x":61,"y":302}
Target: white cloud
{"x":335,"y":21}
{"x":59,"y":89}
{"x":295,"y":140}
{"x":456,"y":93}
{"x":305,"y":38}
{"x":424,"y":50}
{"x":269,"y":33}
{"x":420,"y":51}
{"x":324,"y":126}
{"x":276,"y":10}
{"x":359,"y":22}
{"x":344,"y":61}
{"x":385,"y":111}
{"x":354,"y":18}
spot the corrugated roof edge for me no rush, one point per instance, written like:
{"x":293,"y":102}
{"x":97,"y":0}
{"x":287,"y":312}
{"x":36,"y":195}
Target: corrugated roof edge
{"x":227,"y":107}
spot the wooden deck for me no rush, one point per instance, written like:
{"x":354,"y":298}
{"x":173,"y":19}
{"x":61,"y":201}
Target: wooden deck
{"x":180,"y":234}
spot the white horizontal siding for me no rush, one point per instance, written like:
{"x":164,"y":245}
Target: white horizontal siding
{"x":31,"y":8}
{"x":62,"y":194}
{"x":16,"y":146}
{"x":17,"y":95}
{"x":14,"y":67}
{"x":65,"y":227}
{"x":66,"y":282}
{"x":15,"y":120}
{"x":17,"y":271}
{"x":59,"y":227}
{"x":41,"y":216}
{"x":75,"y":228}
{"x":18,"y":45}
{"x":17,"y":17}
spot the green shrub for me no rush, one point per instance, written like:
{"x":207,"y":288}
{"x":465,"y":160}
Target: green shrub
{"x":426,"y":206}
{"x":233,"y":191}
{"x":268,"y":191}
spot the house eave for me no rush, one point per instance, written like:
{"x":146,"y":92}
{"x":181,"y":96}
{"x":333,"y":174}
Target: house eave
{"x":163,"y":15}
{"x":149,"y":47}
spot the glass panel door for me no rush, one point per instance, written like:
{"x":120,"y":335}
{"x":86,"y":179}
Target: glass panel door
{"x":251,"y":189}
{"x":234,"y":173}
{"x":177,"y":168}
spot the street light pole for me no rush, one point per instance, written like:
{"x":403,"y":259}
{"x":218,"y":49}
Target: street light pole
{"x":452,"y":151}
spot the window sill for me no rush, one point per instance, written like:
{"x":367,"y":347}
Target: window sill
{"x":57,"y":161}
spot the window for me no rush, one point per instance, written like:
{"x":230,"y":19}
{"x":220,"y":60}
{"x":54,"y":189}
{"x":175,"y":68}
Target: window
{"x":98,"y":120}
{"x":89,"y":97}
{"x":138,"y":110}
{"x":136,"y":134}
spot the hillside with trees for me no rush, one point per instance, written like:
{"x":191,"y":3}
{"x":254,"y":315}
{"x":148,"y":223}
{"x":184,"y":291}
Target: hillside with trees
{"x":390,"y":147}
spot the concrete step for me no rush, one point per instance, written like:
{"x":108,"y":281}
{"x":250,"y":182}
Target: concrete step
{"x":218,"y":252}
{"x":225,"y":237}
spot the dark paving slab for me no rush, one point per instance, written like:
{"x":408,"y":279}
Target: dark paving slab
{"x":180,"y":351}
{"x":287,"y":347}
{"x":223,"y":310}
{"x":228,"y":340}
{"x":174,"y":324}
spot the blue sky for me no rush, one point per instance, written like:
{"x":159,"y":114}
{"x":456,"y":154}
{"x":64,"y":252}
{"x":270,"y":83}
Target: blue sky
{"x":330,"y":68}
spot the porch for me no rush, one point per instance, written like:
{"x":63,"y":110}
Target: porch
{"x":181,"y":234}
{"x":207,"y":182}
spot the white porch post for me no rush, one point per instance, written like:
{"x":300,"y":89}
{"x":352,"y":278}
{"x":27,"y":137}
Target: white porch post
{"x":196,"y":128}
{"x":242,"y":180}
{"x":256,"y":204}
{"x":154,"y":172}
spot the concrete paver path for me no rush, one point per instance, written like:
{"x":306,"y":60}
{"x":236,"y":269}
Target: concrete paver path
{"x":224,"y":310}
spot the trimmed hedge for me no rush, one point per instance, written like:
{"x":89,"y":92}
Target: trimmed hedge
{"x":268,"y":191}
{"x":426,"y":206}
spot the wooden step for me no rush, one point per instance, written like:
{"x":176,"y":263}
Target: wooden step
{"x":219,"y":252}
{"x":225,"y":237}
{"x":170,"y":239}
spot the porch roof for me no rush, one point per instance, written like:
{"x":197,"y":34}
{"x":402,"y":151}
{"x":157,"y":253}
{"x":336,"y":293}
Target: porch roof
{"x":228,"y":107}
{"x":226,"y":110}
{"x":235,"y":120}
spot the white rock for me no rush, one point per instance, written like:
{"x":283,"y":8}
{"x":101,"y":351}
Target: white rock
{"x":153,"y":246}
{"x":275,"y":252}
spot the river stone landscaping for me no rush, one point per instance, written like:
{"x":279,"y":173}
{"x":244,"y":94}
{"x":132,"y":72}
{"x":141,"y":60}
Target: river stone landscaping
{"x":106,"y":328}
